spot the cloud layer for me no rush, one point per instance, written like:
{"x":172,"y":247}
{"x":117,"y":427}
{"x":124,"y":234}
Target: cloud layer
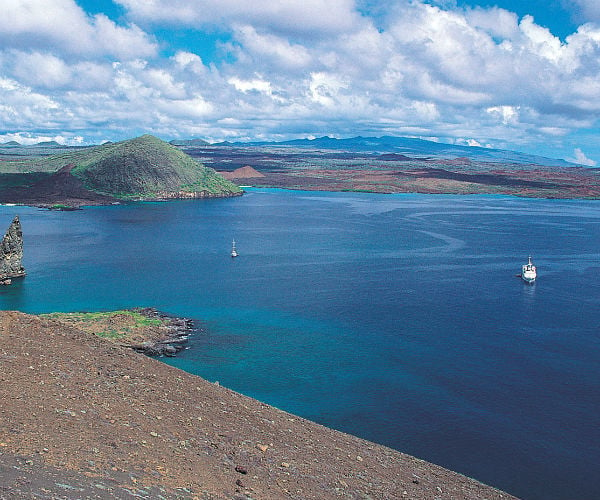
{"x":299,"y":68}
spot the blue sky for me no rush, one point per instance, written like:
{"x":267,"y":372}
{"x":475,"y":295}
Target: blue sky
{"x":522,"y":75}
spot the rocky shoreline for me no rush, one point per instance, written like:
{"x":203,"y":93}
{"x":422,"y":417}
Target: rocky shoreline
{"x":174,"y":339}
{"x":143,"y":329}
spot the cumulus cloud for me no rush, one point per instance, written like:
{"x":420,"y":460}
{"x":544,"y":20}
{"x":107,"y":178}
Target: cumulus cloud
{"x":189,"y":61}
{"x":290,"y":16}
{"x":256,"y":84}
{"x":507,"y":114}
{"x":468,"y":142}
{"x":581,"y":159}
{"x":20,"y":106}
{"x":63,"y":25}
{"x":270,"y":50}
{"x":297,"y":68}
{"x":42,"y":70}
{"x":584,"y":10}
{"x":495,"y":21}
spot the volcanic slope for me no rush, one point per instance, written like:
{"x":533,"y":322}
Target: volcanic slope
{"x":140,"y":168}
{"x":83,"y":417}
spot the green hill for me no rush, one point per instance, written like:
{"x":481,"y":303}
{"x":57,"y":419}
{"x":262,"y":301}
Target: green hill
{"x":145,"y":167}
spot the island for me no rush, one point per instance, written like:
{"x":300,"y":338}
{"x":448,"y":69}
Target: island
{"x":140,"y":169}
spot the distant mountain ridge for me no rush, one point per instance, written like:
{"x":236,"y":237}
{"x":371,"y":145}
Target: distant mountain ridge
{"x":412,"y":146}
{"x":189,"y":142}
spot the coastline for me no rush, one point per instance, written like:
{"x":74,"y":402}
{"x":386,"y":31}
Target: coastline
{"x":67,"y":204}
{"x":131,"y":423}
{"x":144,"y":329}
{"x":395,"y":181}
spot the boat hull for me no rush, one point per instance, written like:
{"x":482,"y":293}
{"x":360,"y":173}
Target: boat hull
{"x":528,"y":271}
{"x":528,"y":279}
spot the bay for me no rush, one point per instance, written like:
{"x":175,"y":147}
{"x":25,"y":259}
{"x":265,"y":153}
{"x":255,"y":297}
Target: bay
{"x":397,"y":318}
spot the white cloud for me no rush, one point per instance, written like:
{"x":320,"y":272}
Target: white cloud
{"x":324,"y":88}
{"x":298,"y":68}
{"x":62,"y":26}
{"x":189,"y":61}
{"x":256,"y":84}
{"x":540,"y":41}
{"x":20,"y":106}
{"x":585,"y":10}
{"x":162,"y":82}
{"x":123,"y":42}
{"x":581,"y":159}
{"x":291,"y":16}
{"x":194,"y":108}
{"x":495,"y":21}
{"x":268,"y":49}
{"x":42,"y":70}
{"x":468,"y":142}
{"x":507,"y":114}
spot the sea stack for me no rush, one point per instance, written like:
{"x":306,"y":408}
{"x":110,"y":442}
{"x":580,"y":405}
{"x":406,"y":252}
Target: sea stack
{"x":11,"y":253}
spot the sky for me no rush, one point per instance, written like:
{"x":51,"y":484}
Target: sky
{"x":509,"y":74}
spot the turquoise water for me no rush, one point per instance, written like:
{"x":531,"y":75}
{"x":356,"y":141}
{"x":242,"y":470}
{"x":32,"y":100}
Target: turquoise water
{"x":396,"y":318}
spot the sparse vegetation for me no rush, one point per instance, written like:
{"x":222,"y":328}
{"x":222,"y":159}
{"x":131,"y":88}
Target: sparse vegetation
{"x":121,"y":325}
{"x":146,"y":167}
{"x":141,"y":168}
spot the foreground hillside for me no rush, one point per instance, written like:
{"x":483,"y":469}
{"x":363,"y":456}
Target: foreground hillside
{"x":144,"y":168}
{"x":83,"y":417}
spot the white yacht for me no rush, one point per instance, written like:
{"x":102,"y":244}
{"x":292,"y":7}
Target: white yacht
{"x":233,"y":250}
{"x":528,"y":271}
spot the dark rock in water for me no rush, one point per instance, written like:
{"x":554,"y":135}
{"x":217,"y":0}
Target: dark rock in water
{"x":172,"y":341}
{"x":11,"y":253}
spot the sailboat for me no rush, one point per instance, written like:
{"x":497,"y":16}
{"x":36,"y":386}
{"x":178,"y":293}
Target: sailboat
{"x":233,"y":250}
{"x":528,"y":271}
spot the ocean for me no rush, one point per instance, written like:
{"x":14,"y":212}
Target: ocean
{"x":397,"y":318}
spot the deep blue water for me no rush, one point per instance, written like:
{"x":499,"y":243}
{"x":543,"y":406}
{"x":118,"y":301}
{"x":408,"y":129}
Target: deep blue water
{"x":397,"y":318}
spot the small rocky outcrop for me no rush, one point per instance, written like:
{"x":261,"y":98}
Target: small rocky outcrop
{"x":11,"y":253}
{"x":172,"y":339}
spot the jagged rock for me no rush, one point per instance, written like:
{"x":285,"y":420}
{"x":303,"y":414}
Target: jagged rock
{"x":11,"y":253}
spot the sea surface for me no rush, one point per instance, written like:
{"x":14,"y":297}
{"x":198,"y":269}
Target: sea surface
{"x":398,"y":318}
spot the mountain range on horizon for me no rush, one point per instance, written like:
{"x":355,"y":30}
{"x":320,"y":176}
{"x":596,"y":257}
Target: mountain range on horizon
{"x":411,"y":146}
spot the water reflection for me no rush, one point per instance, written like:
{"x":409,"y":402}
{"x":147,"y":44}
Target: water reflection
{"x":529,"y":293}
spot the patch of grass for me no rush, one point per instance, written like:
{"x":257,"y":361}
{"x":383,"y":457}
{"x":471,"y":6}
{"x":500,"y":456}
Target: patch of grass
{"x":113,"y":325}
{"x":139,"y":319}
{"x":110,"y":334}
